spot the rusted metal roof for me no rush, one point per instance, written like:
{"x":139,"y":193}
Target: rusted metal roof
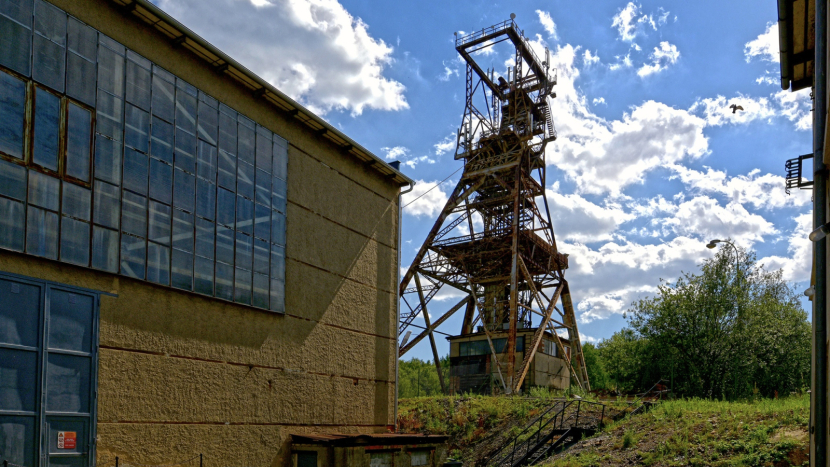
{"x":367,"y":439}
{"x":222,"y":64}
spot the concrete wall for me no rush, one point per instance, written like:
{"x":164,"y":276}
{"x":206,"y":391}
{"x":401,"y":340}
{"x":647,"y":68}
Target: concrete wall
{"x":360,"y":456}
{"x":183,"y":374}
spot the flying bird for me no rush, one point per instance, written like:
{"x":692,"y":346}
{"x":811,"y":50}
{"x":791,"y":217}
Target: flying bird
{"x":735,"y":107}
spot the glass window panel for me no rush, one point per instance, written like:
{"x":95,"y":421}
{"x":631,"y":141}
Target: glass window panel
{"x":203,"y":276}
{"x":137,"y":128}
{"x":227,"y":133}
{"x":260,"y":291}
{"x":109,"y":115}
{"x":224,"y":245}
{"x":80,"y":78}
{"x":43,"y":190}
{"x":161,"y":181}
{"x":262,"y":222}
{"x":50,"y":21}
{"x":224,"y":281}
{"x":47,"y":130}
{"x":185,"y":111}
{"x":205,"y":199}
{"x":225,"y":207}
{"x":74,"y":241}
{"x":70,"y":321}
{"x":205,"y":232}
{"x":263,"y":149}
{"x":48,"y":63}
{"x":83,"y":40}
{"x":138,"y":85}
{"x":245,"y":180}
{"x":163,"y":97}
{"x":244,"y":215}
{"x":67,"y":383}
{"x":185,"y":151}
{"x":42,"y":233}
{"x":207,"y":161}
{"x":244,"y":251}
{"x":280,"y":159}
{"x":111,"y":44}
{"x":12,"y":180}
{"x":183,"y":231}
{"x":277,"y":262}
{"x":133,"y":251}
{"x":20,"y":318}
{"x":12,"y":114}
{"x":261,"y":254}
{"x":277,"y":296}
{"x":227,"y":170}
{"x":107,"y":205}
{"x":247,"y":140}
{"x":110,"y":71}
{"x":158,"y":263}
{"x":278,"y":228}
{"x":18,"y":379}
{"x":162,"y":140}
{"x":184,"y":190}
{"x":278,"y":195}
{"x":107,"y":160}
{"x":77,"y":201}
{"x":136,"y":170}
{"x":208,"y":122}
{"x":242,"y":287}
{"x":134,"y":214}
{"x":182,"y":270}
{"x":15,"y":44}
{"x":22,"y":429}
{"x":159,"y":223}
{"x":12,"y":220}
{"x":104,"y":249}
{"x":78,"y":142}
{"x":263,"y":188}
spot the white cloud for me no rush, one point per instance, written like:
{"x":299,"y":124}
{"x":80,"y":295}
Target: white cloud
{"x":403,"y":155}
{"x":589,"y":59}
{"x":624,"y":62}
{"x":798,"y":266}
{"x":425,"y":199}
{"x":445,"y":145}
{"x":663,"y":56}
{"x":630,"y":23}
{"x":704,"y":216}
{"x":547,"y":23}
{"x":599,"y":100}
{"x":717,"y":111}
{"x":395,"y":153}
{"x":765,"y":45}
{"x":578,"y":219}
{"x":796,"y":107}
{"x":327,"y":59}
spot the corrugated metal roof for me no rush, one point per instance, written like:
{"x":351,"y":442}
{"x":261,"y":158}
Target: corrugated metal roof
{"x":183,"y":37}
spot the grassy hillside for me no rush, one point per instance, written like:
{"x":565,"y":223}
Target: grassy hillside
{"x":683,"y":432}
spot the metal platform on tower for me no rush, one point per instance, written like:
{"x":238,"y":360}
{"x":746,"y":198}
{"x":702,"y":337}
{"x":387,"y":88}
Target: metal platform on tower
{"x":492,"y":240}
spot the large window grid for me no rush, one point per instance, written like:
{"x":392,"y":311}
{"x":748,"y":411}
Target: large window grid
{"x":171,"y":187}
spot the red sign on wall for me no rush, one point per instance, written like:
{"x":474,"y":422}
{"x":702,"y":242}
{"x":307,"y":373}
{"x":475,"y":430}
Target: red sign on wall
{"x":67,"y":439}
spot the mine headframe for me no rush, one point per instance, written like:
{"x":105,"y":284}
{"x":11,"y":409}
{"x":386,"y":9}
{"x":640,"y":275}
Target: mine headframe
{"x":491,"y":241}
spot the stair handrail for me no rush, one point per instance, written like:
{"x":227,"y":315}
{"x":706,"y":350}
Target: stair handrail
{"x":565,"y":405}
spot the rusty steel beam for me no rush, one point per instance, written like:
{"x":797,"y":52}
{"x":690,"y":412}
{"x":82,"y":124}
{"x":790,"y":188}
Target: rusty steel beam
{"x":430,"y":328}
{"x":431,"y":335}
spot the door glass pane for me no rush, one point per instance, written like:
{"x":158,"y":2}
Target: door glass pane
{"x":19,"y":313}
{"x":104,"y":249}
{"x":76,"y":201}
{"x":133,"y":251}
{"x":64,"y":444}
{"x":78,"y":139}
{"x":107,"y":204}
{"x":75,"y":241}
{"x":18,"y":439}
{"x":47,"y":129}
{"x":18,"y":377}
{"x":70,"y":326}
{"x":42,"y":233}
{"x":67,"y":383}
{"x":15,"y":45}
{"x":12,"y":113}
{"x":158,"y":263}
{"x":11,"y":224}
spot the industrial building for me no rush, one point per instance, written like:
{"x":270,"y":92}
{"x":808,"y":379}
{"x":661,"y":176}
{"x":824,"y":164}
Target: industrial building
{"x":182,"y":247}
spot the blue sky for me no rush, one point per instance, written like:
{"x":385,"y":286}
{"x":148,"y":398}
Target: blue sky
{"x":650,"y":162}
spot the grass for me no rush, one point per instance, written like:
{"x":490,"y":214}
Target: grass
{"x":700,"y":432}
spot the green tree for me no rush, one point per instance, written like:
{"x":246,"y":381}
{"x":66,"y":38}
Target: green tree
{"x":419,"y":378}
{"x":596,"y":366}
{"x":720,"y":333}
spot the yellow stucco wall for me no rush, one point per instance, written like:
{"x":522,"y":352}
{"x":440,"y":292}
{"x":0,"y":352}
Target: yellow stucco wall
{"x":183,"y":374}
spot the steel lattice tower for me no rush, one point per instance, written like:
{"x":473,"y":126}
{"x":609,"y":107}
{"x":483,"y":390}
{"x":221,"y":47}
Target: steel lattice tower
{"x":491,"y":240}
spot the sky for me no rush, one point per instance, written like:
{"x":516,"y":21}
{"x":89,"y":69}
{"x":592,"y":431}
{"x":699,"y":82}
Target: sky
{"x":650,"y":162}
